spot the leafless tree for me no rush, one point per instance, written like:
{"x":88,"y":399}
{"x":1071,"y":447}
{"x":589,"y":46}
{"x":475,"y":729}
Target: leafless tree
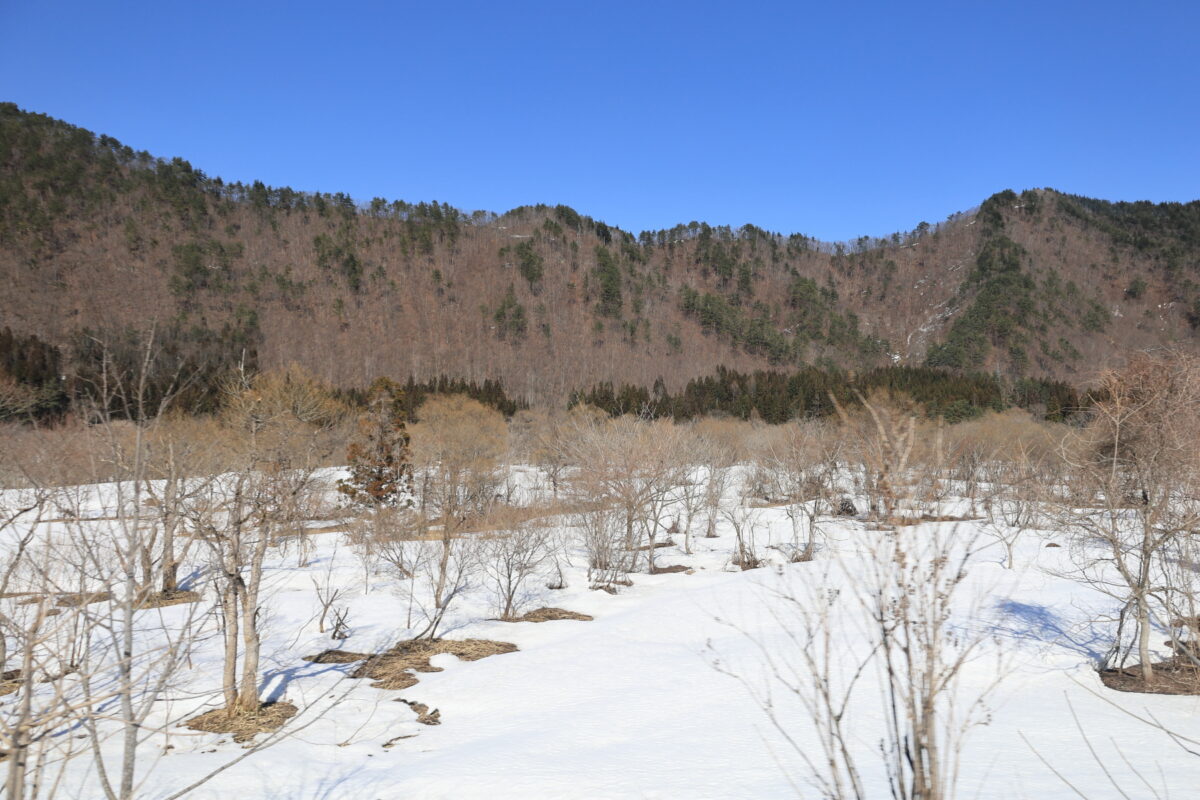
{"x":883,"y":442}
{"x":510,"y":558}
{"x":1135,"y":487}
{"x":745,"y":523}
{"x":327,"y":592}
{"x":457,"y":446}
{"x":691,"y":490}
{"x":447,"y":570}
{"x":803,"y":460}
{"x":633,"y":466}
{"x":890,"y":617}
{"x":820,"y":665}
{"x":718,"y":468}
{"x":608,"y":561}
{"x":279,"y":418}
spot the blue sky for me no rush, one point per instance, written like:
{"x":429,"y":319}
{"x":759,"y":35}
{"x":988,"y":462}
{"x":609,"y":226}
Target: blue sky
{"x":831,"y":119}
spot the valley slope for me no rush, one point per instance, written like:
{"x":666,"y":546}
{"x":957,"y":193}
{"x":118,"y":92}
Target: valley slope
{"x":96,"y":239}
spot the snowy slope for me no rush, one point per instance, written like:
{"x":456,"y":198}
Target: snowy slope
{"x":630,"y":705}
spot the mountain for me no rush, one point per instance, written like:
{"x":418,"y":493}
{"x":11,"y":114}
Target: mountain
{"x":97,"y":242}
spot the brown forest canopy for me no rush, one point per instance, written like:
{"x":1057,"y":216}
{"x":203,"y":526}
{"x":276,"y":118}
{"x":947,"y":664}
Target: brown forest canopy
{"x":101,"y":244}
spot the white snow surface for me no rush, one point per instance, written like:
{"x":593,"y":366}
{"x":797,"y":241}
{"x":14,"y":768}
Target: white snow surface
{"x":630,"y":705}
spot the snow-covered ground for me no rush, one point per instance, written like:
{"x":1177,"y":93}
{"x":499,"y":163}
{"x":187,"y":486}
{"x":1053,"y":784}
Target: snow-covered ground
{"x":632,"y":704}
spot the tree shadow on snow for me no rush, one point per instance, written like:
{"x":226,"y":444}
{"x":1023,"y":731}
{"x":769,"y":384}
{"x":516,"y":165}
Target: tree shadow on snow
{"x":338,"y":782}
{"x":1037,"y":623}
{"x":275,"y":681}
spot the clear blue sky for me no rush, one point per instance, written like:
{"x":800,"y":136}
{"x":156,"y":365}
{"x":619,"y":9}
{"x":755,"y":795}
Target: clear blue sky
{"x":832,"y":119}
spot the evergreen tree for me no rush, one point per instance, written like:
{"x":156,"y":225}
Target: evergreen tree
{"x":379,"y":461}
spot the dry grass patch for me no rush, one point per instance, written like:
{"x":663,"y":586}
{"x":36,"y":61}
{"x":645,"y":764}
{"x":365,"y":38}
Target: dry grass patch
{"x":333,"y":527}
{"x":244,"y":725}
{"x":424,"y":715}
{"x":390,"y":743}
{"x":1176,"y":675}
{"x":394,"y":668}
{"x":657,"y":545}
{"x":549,"y":615}
{"x":83,"y":599}
{"x":906,"y":521}
{"x":164,"y":599}
{"x":337,"y":657}
{"x":10,"y":681}
{"x":505,"y":518}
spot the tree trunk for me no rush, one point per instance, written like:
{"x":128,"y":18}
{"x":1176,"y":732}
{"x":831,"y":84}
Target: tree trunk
{"x":170,"y":567}
{"x":1143,"y":599}
{"x":128,"y":717}
{"x":1143,"y":612}
{"x":229,"y":615}
{"x":247,"y":699}
{"x":251,"y":639}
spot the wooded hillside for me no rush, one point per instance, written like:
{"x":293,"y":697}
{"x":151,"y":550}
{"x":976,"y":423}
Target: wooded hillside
{"x":99,"y":242}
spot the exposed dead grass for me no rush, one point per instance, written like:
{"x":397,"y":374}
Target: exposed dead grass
{"x":10,"y":681}
{"x":337,"y":657}
{"x":906,"y":521}
{"x":507,"y":517}
{"x":243,"y":725}
{"x":164,"y":599}
{"x":394,"y":668}
{"x":390,"y":743}
{"x":549,"y":615}
{"x":424,"y":715}
{"x":335,"y":527}
{"x":1176,"y":675}
{"x":79,"y":599}
{"x":75,"y":599}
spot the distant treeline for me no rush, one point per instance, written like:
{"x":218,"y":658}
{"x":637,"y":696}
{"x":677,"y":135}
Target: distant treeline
{"x":489,"y":393}
{"x":31,"y":382}
{"x":188,"y":371}
{"x":777,"y":397}
{"x":190,"y":367}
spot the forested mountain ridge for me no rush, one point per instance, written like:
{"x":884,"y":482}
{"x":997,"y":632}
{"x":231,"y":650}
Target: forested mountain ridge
{"x":98,"y":241}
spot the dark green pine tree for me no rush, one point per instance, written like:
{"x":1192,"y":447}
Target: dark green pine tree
{"x":379,"y":459}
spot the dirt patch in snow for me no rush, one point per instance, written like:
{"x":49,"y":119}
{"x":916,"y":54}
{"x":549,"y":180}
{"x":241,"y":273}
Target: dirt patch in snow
{"x":83,"y":599}
{"x":906,"y":521}
{"x":80,"y":599}
{"x":643,"y":548}
{"x":164,"y":599}
{"x":337,"y":657}
{"x":10,"y":681}
{"x":394,"y":668}
{"x":1176,"y":675}
{"x":392,"y":742}
{"x":424,"y":715}
{"x":244,"y":725}
{"x":549,"y":615}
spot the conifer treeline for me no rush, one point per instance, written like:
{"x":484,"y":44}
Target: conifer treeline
{"x":490,"y":393}
{"x":195,"y":375}
{"x":33,"y":369}
{"x":777,"y":397}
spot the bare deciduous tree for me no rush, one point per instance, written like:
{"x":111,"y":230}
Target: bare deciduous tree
{"x":279,"y":419}
{"x":892,"y":617}
{"x":510,"y":558}
{"x":1135,"y":473}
